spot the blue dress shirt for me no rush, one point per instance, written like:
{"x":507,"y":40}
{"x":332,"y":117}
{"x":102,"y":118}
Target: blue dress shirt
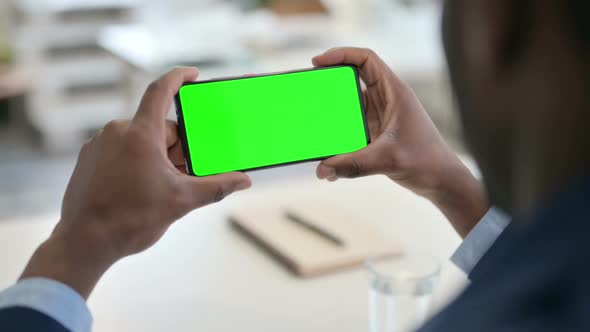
{"x":66,"y":307}
{"x":480,"y":239}
{"x":51,"y":298}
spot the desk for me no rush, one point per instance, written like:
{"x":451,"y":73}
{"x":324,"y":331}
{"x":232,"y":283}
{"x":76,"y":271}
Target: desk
{"x":203,"y":276}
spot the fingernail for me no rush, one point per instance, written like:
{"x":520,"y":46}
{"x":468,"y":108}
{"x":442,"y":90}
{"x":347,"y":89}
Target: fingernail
{"x":325,"y":172}
{"x":243,"y":185}
{"x":333,"y":179}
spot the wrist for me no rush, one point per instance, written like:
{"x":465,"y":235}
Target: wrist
{"x":76,"y":260}
{"x":461,"y":198}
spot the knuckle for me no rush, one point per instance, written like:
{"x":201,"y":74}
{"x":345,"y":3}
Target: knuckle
{"x":85,"y":146}
{"x":98,"y":133}
{"x":371,"y":54}
{"x":154,"y":85}
{"x":219,"y":194}
{"x":113,"y":126}
{"x":208,"y":194}
{"x":355,"y":170}
{"x":109,"y":126}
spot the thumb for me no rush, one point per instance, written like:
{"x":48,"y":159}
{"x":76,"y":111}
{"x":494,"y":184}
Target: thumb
{"x":353,"y":165}
{"x":202,"y":191}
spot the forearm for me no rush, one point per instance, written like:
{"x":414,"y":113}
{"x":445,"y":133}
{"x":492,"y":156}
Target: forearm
{"x":461,"y":198}
{"x":77,"y":261}
{"x":451,"y":187}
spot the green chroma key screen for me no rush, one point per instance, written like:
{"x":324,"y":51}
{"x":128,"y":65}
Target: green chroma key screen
{"x":253,"y":122}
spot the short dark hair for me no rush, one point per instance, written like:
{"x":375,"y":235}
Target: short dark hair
{"x":579,"y":10}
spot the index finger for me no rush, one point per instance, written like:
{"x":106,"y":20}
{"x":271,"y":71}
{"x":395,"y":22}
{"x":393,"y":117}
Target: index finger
{"x":370,"y":65}
{"x":158,"y":97}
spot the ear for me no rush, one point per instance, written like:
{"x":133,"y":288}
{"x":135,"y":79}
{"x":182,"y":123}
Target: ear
{"x":496,"y":32}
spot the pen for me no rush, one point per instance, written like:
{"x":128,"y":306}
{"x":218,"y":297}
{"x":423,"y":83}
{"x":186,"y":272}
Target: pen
{"x":313,"y":228}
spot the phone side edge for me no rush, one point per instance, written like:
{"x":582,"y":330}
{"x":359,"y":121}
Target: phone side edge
{"x":182,"y":134}
{"x":362,"y":102}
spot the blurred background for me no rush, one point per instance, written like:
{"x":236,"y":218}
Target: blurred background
{"x":69,"y":66}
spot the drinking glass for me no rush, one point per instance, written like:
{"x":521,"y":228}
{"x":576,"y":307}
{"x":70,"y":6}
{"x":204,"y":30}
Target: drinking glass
{"x":400,"y":291}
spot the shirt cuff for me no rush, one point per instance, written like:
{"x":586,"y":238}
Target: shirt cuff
{"x":51,"y":298}
{"x":480,"y":239}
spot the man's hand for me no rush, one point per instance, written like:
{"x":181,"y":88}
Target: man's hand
{"x":127,"y":188}
{"x":406,"y":146}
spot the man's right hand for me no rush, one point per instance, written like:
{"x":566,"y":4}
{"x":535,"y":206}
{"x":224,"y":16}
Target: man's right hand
{"x":406,"y":146}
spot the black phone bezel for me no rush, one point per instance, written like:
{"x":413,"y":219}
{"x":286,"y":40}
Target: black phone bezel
{"x":182,"y":129}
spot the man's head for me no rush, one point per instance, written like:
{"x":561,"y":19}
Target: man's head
{"x":520,"y":69}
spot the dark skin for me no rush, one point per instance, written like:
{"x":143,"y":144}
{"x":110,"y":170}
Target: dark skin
{"x":523,"y":106}
{"x":406,"y":147}
{"x":126,"y":190}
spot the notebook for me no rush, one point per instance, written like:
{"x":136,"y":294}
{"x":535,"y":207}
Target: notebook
{"x":313,"y":240}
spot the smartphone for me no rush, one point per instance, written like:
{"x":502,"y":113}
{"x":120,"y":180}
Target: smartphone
{"x":249,"y":123}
